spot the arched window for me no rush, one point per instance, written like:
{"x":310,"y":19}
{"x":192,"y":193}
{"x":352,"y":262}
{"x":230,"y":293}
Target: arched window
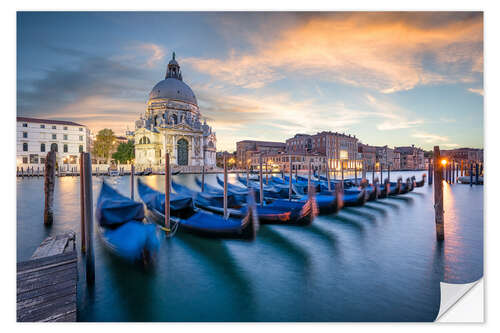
{"x":53,"y":147}
{"x":25,"y":146}
{"x":174,"y":119}
{"x":42,"y":147}
{"x":144,"y":140}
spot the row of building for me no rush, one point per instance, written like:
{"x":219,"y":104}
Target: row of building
{"x":339,"y":150}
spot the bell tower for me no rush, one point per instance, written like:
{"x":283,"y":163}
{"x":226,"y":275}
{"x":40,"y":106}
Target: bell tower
{"x":173,"y":69}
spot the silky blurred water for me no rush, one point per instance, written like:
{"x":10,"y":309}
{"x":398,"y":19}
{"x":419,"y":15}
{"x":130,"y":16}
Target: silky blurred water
{"x":379,"y":262}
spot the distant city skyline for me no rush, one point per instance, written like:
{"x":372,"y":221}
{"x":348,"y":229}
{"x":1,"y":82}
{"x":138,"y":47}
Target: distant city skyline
{"x":395,"y":78}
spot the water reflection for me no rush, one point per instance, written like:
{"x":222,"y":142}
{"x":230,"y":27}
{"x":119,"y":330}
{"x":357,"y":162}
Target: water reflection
{"x":377,"y":262}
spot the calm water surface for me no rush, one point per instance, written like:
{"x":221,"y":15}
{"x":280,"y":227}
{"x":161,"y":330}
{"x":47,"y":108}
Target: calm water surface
{"x":380,"y":262}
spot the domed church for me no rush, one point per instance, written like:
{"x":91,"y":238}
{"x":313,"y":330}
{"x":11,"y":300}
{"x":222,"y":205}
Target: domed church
{"x":172,"y":124}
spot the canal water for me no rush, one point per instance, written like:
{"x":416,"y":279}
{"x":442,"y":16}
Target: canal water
{"x":379,"y":262}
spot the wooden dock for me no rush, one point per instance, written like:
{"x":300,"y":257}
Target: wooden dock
{"x":46,"y":284}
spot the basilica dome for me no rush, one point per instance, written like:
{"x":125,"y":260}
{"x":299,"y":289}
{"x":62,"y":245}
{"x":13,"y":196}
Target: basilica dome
{"x":173,"y":87}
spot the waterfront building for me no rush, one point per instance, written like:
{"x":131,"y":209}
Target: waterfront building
{"x":368,"y":155}
{"x":411,"y":158}
{"x":388,"y":157}
{"x":474,"y":155}
{"x":335,"y":146}
{"x":280,"y":162}
{"x":36,"y":137}
{"x":246,"y":149}
{"x":172,"y":123}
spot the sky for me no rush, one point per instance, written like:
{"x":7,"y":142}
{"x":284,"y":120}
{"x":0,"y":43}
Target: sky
{"x":395,"y":78}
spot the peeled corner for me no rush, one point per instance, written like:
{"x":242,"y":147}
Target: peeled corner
{"x":456,"y":306}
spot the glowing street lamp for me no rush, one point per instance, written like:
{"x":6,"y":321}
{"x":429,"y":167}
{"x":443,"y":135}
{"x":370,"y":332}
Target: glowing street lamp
{"x":444,"y":162}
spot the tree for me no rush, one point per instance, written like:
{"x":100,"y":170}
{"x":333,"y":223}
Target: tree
{"x":124,"y":152}
{"x":104,"y":144}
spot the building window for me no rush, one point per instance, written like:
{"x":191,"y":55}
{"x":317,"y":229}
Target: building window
{"x":65,"y":128}
{"x":42,"y":147}
{"x":81,"y":129}
{"x":33,"y":159}
{"x":25,"y":125}
{"x":25,"y":146}
{"x":65,"y":136}
{"x":42,"y":160}
{"x":54,"y":136}
{"x":42,"y":126}
{"x":25,"y":159}
{"x":25,"y":134}
{"x":53,"y":147}
{"x":54,"y":127}
{"x":65,"y":148}
{"x":81,"y":137}
{"x":80,"y":148}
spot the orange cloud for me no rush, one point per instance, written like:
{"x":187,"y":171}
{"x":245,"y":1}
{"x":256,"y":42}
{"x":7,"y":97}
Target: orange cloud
{"x":382,"y":51}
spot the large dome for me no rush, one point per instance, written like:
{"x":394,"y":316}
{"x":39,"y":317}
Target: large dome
{"x":172,"y":88}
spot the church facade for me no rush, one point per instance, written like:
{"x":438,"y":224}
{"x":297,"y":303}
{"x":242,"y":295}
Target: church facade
{"x":172,"y":124}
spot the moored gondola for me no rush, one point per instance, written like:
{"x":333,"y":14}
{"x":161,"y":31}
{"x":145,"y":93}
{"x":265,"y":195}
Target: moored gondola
{"x":198,"y":221}
{"x":121,"y":228}
{"x":273,"y":211}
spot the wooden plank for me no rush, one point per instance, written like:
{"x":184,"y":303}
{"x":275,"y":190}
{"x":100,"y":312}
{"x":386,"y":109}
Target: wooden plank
{"x":27,"y":285}
{"x":54,"y":245}
{"x":45,"y":290}
{"x":45,"y":270}
{"x":55,"y":308}
{"x":65,"y":317}
{"x":49,"y":297}
{"x":40,"y":262}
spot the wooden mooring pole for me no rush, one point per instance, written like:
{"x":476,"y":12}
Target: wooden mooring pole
{"x":381,"y":172}
{"x":225,"y":186}
{"x":50,"y":166}
{"x":290,"y":180}
{"x":83,"y":229}
{"x":260,"y":182}
{"x":355,"y":172}
{"x":327,"y":170}
{"x":168,"y":175}
{"x":477,"y":173}
{"x":388,"y":172}
{"x":342,"y":170}
{"x":89,"y":223}
{"x":471,"y":173}
{"x":429,"y":172}
{"x":309,"y":175}
{"x":438,"y":195}
{"x":202,"y":178}
{"x":267,"y":174}
{"x":373,"y":174}
{"x":132,"y":171}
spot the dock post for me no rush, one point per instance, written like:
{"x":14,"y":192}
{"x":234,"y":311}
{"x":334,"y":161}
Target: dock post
{"x":327,"y":169}
{"x":429,"y":166}
{"x":477,"y":173}
{"x":82,"y":206}
{"x":260,"y":182}
{"x":50,"y":165}
{"x":296,"y":173}
{"x":470,"y":174}
{"x":438,"y":196}
{"x":247,"y":177}
{"x":168,"y":174}
{"x":364,"y":169}
{"x":461,"y":168}
{"x":342,"y":170}
{"x":132,"y":181}
{"x":309,"y":175}
{"x":22,"y":172}
{"x":290,"y":180}
{"x":203,"y":178}
{"x":388,"y":172}
{"x":373,"y":174}
{"x":225,"y":187}
{"x":355,"y":172}
{"x":267,"y":174}
{"x":381,"y":172}
{"x":89,"y":223}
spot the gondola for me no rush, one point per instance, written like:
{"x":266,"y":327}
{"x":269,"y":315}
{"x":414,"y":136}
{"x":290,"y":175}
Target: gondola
{"x":187,"y":218}
{"x":420,"y":183}
{"x":239,"y":195}
{"x":121,"y":228}
{"x":275,"y":211}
